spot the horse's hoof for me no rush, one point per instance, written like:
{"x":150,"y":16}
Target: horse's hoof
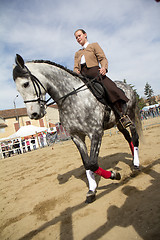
{"x":115,"y":175}
{"x":135,"y":171}
{"x":136,"y":167}
{"x":91,"y":197}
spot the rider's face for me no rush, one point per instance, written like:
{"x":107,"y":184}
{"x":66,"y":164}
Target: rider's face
{"x":81,"y":37}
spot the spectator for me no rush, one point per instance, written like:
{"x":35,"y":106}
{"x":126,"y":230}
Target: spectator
{"x":41,"y":140}
{"x":33,"y":141}
{"x":23,"y":145}
{"x":28,"y":144}
{"x":17,"y":146}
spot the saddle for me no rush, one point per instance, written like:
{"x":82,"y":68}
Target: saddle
{"x":97,"y":89}
{"x":100,"y":92}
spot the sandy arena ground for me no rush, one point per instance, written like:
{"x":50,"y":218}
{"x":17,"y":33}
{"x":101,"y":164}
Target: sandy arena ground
{"x":42,"y":193}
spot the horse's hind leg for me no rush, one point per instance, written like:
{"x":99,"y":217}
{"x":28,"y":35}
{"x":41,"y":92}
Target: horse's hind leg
{"x":127,"y":136}
{"x":133,"y":142}
{"x":135,"y":139}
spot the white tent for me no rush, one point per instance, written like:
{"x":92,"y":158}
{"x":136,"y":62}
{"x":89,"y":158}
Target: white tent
{"x":23,"y":132}
{"x":27,"y":131}
{"x":146,"y":108}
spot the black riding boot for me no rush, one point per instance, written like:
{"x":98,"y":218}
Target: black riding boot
{"x":119,"y":108}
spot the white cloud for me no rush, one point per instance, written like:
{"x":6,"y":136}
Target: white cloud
{"x":127,"y":30}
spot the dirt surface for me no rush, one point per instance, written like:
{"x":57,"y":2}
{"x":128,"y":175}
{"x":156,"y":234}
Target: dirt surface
{"x":42,"y":193}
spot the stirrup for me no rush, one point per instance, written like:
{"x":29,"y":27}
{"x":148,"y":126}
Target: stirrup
{"x":125,"y":121}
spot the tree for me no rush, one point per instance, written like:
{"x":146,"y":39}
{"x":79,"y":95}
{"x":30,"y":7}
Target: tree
{"x":141,"y":102}
{"x":148,"y":92}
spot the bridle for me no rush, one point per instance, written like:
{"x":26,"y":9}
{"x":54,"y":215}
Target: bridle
{"x":37,"y":87}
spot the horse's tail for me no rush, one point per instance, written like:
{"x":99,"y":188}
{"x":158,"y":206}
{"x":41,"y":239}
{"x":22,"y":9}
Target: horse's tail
{"x":138,"y":121}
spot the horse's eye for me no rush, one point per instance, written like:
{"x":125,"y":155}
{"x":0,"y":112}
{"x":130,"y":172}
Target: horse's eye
{"x":25,"y":85}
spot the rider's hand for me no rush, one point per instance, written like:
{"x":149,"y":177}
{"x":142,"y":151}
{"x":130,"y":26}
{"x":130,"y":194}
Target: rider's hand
{"x":102,"y":71}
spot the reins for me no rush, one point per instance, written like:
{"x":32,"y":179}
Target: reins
{"x":75,"y":91}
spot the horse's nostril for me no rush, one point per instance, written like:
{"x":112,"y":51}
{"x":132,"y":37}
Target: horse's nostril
{"x":34,"y":115}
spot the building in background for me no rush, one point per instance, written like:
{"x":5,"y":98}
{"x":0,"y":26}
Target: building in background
{"x":12,"y":119}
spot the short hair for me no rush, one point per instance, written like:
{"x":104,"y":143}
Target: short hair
{"x":80,"y":29}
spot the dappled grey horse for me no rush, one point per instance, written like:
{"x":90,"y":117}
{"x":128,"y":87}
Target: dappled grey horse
{"x":80,"y":112}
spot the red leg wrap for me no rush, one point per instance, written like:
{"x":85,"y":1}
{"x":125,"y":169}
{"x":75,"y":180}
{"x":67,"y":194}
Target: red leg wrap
{"x":132,"y":148}
{"x":103,"y":173}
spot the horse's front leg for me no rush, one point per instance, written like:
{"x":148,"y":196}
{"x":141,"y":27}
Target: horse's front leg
{"x":79,"y":141}
{"x":92,"y":164}
{"x":93,"y":161}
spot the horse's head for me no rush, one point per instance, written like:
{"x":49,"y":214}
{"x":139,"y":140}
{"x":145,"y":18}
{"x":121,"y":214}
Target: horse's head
{"x":30,"y":88}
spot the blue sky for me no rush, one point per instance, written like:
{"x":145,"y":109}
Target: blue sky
{"x":127,"y":30}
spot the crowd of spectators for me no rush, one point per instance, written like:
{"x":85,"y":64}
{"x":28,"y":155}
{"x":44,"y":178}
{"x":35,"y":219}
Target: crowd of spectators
{"x":10,"y":148}
{"x":22,"y":145}
{"x":17,"y":146}
{"x":150,"y":113}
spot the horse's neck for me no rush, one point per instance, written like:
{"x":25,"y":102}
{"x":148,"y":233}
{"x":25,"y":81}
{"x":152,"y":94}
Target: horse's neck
{"x":57,"y":81}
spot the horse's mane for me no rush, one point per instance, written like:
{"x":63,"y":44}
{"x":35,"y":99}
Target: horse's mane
{"x":58,"y":65}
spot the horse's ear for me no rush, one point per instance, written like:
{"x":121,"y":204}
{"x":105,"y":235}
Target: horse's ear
{"x":19,"y":61}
